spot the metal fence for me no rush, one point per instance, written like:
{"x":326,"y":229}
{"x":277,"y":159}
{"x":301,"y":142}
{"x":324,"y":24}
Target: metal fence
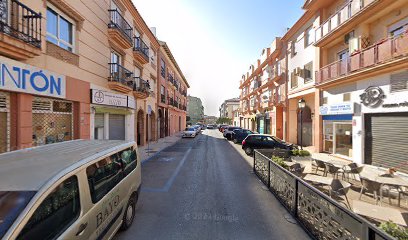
{"x":321,"y":216}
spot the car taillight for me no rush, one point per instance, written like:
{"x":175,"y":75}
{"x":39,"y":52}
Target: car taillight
{"x":243,"y":142}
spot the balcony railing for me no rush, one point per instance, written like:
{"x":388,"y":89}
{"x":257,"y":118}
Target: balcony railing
{"x":22,"y":23}
{"x":140,"y":46}
{"x":378,"y":54}
{"x":176,"y":104}
{"x":118,"y":22}
{"x":171,"y":78}
{"x":170,"y":101}
{"x":141,"y":85}
{"x":121,"y":75}
{"x":341,"y":16}
{"x":163,"y":98}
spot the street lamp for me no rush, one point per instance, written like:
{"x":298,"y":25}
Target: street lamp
{"x":301,"y":105}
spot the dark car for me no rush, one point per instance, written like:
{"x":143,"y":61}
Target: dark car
{"x":238,"y":135}
{"x":221,"y":127}
{"x":262,"y":141}
{"x":228,"y":131}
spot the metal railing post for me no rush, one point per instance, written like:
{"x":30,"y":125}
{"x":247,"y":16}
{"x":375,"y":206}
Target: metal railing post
{"x":269,"y":174}
{"x":254,"y":162}
{"x":295,"y":209}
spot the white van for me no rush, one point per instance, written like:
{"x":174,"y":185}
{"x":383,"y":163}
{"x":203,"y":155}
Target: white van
{"x":82,"y":189}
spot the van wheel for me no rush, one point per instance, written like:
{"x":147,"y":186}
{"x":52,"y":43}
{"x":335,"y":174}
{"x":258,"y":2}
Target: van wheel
{"x":129,"y":215}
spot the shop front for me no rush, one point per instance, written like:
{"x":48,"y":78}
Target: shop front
{"x":4,"y":122}
{"x":112,"y":115}
{"x":338,"y":129}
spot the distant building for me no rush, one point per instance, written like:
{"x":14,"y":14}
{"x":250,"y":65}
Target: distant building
{"x":228,"y":107}
{"x":195,"y":110}
{"x":210,"y":119}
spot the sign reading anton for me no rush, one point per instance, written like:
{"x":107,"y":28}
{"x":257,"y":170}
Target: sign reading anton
{"x":19,"y":77}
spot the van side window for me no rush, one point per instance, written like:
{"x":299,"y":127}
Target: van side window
{"x":129,"y":159}
{"x":55,"y":214}
{"x":103,"y":176}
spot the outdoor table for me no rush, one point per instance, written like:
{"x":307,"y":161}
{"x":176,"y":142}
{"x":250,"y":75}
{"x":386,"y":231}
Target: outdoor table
{"x":379,"y":212}
{"x":290,"y":164}
{"x":395,"y":181}
{"x":318,"y":179}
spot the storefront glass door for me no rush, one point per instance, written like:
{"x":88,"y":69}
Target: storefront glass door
{"x":343,"y":139}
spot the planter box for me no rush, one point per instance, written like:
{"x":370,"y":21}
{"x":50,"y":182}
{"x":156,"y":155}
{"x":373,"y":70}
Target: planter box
{"x":300,"y":159}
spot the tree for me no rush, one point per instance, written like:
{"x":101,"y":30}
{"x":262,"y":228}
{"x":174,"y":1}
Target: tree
{"x":224,"y":120}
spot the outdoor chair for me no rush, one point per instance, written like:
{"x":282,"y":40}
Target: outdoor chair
{"x":370,"y":186}
{"x":318,"y":164}
{"x":402,"y":191}
{"x":340,"y":188}
{"x":330,"y":168}
{"x":297,"y":168}
{"x":353,"y":169}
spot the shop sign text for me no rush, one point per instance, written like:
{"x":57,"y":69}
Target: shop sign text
{"x":337,"y":109}
{"x":108,"y":98}
{"x":18,"y":77}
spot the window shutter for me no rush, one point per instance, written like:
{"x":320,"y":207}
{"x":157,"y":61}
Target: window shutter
{"x":399,"y":81}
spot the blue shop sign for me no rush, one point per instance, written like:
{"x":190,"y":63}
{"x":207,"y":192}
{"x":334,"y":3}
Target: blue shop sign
{"x":19,"y":77}
{"x":337,"y":109}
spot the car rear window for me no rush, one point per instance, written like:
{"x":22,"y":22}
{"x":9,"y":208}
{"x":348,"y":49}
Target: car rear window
{"x":12,"y":203}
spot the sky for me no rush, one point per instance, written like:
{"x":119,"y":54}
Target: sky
{"x":215,"y":41}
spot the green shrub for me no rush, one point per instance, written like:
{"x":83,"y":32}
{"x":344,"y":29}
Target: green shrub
{"x":279,"y":161}
{"x":300,"y":153}
{"x":394,"y":230}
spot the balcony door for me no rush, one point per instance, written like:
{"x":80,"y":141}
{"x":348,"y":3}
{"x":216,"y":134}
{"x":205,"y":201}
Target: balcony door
{"x":116,"y":17}
{"x":4,"y":16}
{"x":115,"y":62}
{"x":343,"y":57}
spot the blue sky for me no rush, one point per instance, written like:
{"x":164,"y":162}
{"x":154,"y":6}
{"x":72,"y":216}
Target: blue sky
{"x":214,"y":42}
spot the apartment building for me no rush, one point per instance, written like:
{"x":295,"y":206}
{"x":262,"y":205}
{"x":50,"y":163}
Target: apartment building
{"x":72,"y":69}
{"x":263,"y":92}
{"x":363,"y":79}
{"x":172,"y":104}
{"x":228,"y":107}
{"x":195,"y":110}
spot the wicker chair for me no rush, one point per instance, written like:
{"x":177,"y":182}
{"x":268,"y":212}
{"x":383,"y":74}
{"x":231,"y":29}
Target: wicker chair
{"x":353,"y":169}
{"x":340,"y":188}
{"x":317,"y":164}
{"x":330,"y":168}
{"x":370,"y":186}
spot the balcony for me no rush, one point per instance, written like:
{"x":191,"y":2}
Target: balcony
{"x":351,"y":11}
{"x":170,"y":101}
{"x":20,"y":30}
{"x":162,"y":98}
{"x":141,"y":88}
{"x":119,"y":29}
{"x":176,"y":104}
{"x":140,"y":51}
{"x":383,"y":55}
{"x":120,"y":79}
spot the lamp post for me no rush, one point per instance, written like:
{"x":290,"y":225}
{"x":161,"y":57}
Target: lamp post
{"x":301,"y":105}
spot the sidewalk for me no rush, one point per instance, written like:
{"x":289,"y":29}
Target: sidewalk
{"x":153,"y":148}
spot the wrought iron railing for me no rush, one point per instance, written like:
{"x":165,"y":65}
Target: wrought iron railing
{"x":176,"y":104}
{"x":21,"y":22}
{"x":163,"y":72}
{"x":163,"y":98}
{"x":171,"y":78}
{"x":387,"y":50}
{"x":318,"y":214}
{"x":120,"y":74}
{"x":141,"y":85}
{"x":140,"y":46}
{"x":348,"y":11}
{"x":118,"y":22}
{"x":170,"y":101}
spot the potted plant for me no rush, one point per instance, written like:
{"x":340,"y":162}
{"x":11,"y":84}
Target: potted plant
{"x":300,"y":155}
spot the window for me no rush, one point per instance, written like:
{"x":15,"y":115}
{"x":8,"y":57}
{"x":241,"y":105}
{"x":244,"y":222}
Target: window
{"x":309,"y":36}
{"x":162,"y":89}
{"x":399,"y":81}
{"x":152,"y":56}
{"x":293,"y":48}
{"x":115,"y":62}
{"x":55,"y":214}
{"x":60,"y":30}
{"x":398,"y":28}
{"x":293,"y":80}
{"x":307,"y":72}
{"x":346,"y":97}
{"x":163,"y":68}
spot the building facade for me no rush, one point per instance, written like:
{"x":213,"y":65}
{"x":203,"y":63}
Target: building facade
{"x":195,"y":110}
{"x":173,"y":94}
{"x":228,"y":107}
{"x":76,"y":70}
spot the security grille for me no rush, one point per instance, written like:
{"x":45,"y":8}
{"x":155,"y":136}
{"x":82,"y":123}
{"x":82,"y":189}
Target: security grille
{"x":52,"y":121}
{"x":4,"y":122}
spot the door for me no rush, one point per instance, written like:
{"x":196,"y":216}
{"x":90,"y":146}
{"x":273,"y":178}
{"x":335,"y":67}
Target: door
{"x":343,"y":139}
{"x":116,"y":127}
{"x":99,"y":127}
{"x":305,"y":133}
{"x":114,"y":64}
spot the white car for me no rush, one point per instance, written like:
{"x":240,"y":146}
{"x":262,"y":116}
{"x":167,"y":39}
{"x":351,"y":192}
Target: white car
{"x":197,"y":128}
{"x":189,"y":132}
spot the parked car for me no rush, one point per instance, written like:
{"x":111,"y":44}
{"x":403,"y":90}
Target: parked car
{"x":210,"y":126}
{"x":262,"y":141}
{"x":189,"y":132}
{"x":238,"y":135}
{"x":227,"y":132}
{"x":197,"y":128}
{"x":69,"y":190}
{"x":221,"y":126}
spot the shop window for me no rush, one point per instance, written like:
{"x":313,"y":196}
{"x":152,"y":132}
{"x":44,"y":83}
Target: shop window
{"x":52,"y":121}
{"x":399,"y":81}
{"x":346,"y":97}
{"x":4,"y":122}
{"x":60,"y":29}
{"x":55,"y":214}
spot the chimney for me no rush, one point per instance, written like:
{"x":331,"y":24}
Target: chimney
{"x":153,"y":29}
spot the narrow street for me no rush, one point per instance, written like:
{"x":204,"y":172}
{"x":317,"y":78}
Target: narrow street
{"x":203,"y":188}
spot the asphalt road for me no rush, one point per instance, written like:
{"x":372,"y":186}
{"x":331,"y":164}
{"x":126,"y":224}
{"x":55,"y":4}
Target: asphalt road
{"x":203,"y":188}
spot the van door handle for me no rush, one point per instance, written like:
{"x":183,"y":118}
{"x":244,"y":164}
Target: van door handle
{"x":82,"y":228}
